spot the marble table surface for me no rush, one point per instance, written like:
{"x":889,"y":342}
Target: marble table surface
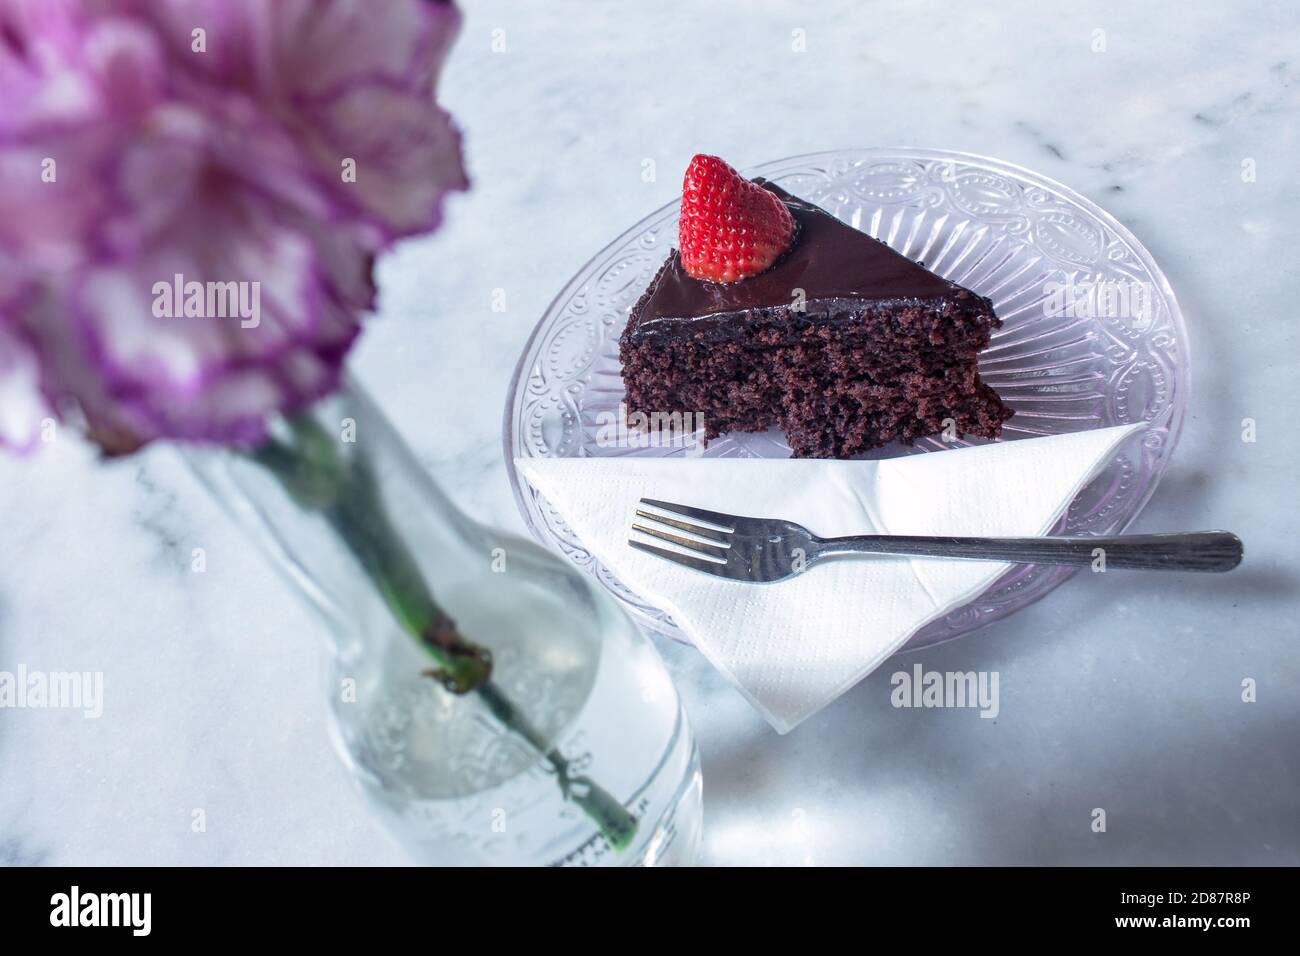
{"x":1123,"y":693}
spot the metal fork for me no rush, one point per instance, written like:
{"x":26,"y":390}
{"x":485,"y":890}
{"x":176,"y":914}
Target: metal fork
{"x":770,"y":549}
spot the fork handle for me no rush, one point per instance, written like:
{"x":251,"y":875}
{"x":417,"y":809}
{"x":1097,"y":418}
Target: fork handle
{"x":1190,"y":551}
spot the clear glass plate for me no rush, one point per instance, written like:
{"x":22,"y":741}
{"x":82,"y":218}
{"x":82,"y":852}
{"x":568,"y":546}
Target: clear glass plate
{"x":1092,"y":336}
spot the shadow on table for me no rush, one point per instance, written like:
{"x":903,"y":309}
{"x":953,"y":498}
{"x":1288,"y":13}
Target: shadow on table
{"x":1186,"y":771}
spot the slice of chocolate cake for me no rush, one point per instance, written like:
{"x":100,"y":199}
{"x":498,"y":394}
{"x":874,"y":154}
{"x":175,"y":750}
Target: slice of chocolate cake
{"x":843,"y":343}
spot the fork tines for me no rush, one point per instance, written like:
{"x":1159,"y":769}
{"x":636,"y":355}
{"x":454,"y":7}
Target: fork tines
{"x":708,"y":545}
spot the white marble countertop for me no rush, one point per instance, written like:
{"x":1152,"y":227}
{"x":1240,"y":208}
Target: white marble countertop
{"x":1122,"y":693}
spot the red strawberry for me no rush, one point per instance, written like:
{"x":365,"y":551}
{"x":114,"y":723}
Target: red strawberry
{"x":730,"y":228}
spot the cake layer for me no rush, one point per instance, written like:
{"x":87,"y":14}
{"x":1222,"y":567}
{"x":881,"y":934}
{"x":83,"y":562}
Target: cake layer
{"x":823,"y":384}
{"x":848,"y":418}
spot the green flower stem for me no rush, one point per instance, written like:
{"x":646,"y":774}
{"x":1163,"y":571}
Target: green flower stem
{"x":344,"y":491}
{"x":616,"y":824}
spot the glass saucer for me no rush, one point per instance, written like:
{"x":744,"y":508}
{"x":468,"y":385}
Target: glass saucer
{"x":1092,"y":336}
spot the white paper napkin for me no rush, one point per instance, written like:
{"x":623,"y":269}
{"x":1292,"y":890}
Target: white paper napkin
{"x":794,"y":646}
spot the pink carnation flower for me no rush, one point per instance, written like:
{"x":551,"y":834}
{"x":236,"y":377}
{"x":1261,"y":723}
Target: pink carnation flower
{"x":192,"y":194}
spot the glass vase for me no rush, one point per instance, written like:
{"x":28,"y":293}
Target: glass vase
{"x":491,"y":702}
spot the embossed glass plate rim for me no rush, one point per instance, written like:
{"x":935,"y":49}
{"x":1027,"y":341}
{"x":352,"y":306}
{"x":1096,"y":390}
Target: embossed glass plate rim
{"x":512,"y":429}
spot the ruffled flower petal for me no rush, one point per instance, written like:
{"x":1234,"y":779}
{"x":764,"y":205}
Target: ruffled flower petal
{"x":139,"y":157}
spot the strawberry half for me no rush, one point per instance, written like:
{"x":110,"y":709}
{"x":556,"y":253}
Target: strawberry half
{"x":730,"y":228}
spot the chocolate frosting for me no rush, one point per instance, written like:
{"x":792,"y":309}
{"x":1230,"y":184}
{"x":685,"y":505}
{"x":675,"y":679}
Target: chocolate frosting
{"x":829,"y":260}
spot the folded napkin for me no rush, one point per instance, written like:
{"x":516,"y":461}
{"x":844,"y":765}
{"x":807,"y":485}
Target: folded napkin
{"x":794,"y":646}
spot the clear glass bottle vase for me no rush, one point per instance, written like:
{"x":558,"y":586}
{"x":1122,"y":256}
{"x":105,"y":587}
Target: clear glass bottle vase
{"x":492,"y":703}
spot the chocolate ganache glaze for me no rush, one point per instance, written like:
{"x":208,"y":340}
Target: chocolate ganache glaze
{"x":839,"y":269}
